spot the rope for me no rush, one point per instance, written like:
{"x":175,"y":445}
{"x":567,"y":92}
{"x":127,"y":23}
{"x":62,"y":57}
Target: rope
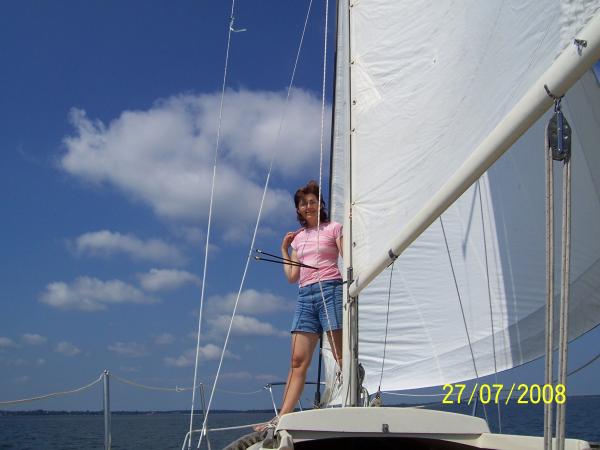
{"x":238,"y":427}
{"x":241,"y":393}
{"x":564,"y":304}
{"x":153,"y":388}
{"x":335,"y":354}
{"x":182,"y":389}
{"x":387,"y":317}
{"x":208,"y":228}
{"x":462,"y":311}
{"x":262,"y":201}
{"x":487,"y":275}
{"x":549,"y":334}
{"x":321,"y":148}
{"x":53,"y":394}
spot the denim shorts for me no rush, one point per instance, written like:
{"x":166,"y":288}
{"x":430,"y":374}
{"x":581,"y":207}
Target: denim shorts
{"x":310,"y":316}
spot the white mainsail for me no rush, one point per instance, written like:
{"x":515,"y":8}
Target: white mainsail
{"x":427,"y":85}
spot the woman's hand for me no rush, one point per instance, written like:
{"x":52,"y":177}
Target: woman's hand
{"x":287,"y":241}
{"x":292,"y":272}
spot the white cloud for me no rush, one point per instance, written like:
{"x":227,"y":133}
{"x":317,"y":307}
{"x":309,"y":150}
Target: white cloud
{"x":188,"y":358}
{"x":108,"y":243}
{"x":6,"y":342}
{"x":163,"y":157}
{"x":21,"y":362}
{"x":164,"y":339}
{"x":251,"y":302}
{"x":251,"y":123}
{"x":67,"y":349}
{"x":22,"y":379}
{"x":166,"y":279}
{"x":245,"y":326}
{"x":91,"y":294}
{"x":34,"y":339}
{"x":131,"y":349}
{"x":193,"y":235}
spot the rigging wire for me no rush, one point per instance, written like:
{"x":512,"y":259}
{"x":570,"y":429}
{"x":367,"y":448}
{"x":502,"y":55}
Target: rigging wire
{"x":321,"y":151}
{"x":53,"y":394}
{"x":462,"y":311}
{"x":387,"y":317}
{"x":487,"y":276}
{"x":323,"y":93}
{"x":573,"y":372}
{"x":273,"y":401}
{"x":153,"y":388}
{"x":262,"y":201}
{"x":181,"y":389}
{"x":258,"y":391}
{"x":400,"y":394}
{"x":208,"y":228}
{"x":583,"y":155}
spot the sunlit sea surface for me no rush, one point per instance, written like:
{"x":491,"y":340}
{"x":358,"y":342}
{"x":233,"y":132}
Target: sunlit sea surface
{"x":162,"y":431}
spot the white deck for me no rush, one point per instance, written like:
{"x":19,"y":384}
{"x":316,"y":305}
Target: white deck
{"x":372,"y":420}
{"x":398,"y":423}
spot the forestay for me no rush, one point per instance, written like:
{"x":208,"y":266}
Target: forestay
{"x":428,"y":82}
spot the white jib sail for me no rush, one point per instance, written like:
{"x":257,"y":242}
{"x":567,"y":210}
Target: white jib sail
{"x":428,"y":83}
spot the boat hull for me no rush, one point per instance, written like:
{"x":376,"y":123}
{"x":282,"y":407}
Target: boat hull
{"x":396,"y":428}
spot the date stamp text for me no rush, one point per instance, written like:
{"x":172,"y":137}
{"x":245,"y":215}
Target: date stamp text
{"x":523,"y":394}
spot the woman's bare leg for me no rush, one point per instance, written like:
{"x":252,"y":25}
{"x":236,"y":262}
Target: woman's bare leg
{"x":303,"y":346}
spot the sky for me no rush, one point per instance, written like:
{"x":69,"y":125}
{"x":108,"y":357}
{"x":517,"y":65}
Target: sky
{"x":109,"y":114}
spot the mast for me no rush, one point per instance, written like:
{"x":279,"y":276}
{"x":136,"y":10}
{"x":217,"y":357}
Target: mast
{"x":341,"y":157}
{"x":351,"y":305}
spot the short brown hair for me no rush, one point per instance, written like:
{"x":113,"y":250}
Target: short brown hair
{"x":312,"y":187}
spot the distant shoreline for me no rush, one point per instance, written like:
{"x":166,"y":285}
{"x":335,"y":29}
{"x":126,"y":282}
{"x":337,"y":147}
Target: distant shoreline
{"x":44,"y":412}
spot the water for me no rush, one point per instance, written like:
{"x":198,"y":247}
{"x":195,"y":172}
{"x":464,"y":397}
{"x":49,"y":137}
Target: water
{"x":129,"y":431}
{"x":162,"y":431}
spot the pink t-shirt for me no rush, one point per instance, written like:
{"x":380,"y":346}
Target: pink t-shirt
{"x":305,"y":244}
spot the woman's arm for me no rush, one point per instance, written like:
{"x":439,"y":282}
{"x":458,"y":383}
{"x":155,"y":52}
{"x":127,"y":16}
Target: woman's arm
{"x":292,"y":273}
{"x":340,"y":245}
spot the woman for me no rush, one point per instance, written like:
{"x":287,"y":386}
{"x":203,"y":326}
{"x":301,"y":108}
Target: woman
{"x":319,"y":306}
